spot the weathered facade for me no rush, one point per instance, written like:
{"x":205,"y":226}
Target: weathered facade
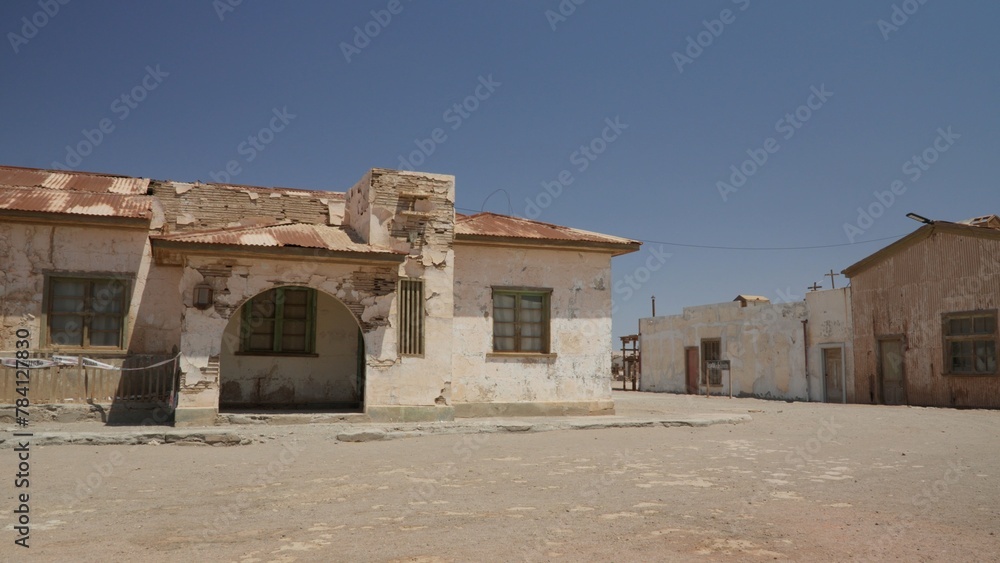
{"x":571,"y":376}
{"x":375,"y":300}
{"x":791,"y":351}
{"x":925,"y":318}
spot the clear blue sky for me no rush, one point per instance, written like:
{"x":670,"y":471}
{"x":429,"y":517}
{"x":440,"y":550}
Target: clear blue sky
{"x":550,"y":92}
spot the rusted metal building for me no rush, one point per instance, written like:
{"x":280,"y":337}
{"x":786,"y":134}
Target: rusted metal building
{"x":925,"y":317}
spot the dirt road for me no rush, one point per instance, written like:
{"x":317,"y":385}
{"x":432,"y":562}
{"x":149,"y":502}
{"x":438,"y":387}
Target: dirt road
{"x":802,"y":482}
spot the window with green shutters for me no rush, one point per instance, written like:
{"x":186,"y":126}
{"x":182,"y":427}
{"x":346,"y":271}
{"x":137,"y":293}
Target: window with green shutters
{"x":280,"y":321}
{"x":521,"y":320}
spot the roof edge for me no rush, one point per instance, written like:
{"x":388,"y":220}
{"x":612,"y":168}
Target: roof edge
{"x":944,"y":227}
{"x":615,"y":248}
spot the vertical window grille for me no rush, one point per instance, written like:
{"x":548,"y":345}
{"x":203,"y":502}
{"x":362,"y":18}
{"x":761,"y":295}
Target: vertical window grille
{"x":411,"y":317}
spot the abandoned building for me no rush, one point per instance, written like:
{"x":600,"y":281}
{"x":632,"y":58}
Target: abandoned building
{"x":381,"y":300}
{"x":793,"y":351}
{"x":925,"y":317}
{"x":917,"y":326}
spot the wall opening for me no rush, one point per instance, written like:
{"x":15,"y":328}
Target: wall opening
{"x":292,"y":348}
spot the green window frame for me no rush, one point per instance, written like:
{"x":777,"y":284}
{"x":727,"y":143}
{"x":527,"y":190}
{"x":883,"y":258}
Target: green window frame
{"x":970,"y":343}
{"x":86,"y":312}
{"x":280,"y":321}
{"x":521,"y":320}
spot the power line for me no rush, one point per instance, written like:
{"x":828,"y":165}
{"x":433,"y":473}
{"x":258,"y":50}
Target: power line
{"x":709,"y":247}
{"x":746,"y":248}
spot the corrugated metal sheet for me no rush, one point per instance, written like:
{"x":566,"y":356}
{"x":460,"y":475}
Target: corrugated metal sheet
{"x":75,"y":203}
{"x":494,"y":225}
{"x":298,"y":235}
{"x":904,"y":294}
{"x":74,"y":181}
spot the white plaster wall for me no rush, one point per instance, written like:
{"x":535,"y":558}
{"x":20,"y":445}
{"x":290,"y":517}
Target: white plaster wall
{"x":830,"y":326}
{"x":330,"y":377}
{"x":580,"y":326}
{"x":764,"y":344}
{"x":28,"y":250}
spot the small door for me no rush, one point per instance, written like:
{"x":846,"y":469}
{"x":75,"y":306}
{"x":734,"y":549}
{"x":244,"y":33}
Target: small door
{"x":891,"y":372}
{"x":833,"y":375}
{"x":691,"y":368}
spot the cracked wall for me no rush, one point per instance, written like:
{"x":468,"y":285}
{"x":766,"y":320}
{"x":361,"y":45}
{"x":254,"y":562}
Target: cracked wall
{"x":30,"y":250}
{"x":578,"y":368}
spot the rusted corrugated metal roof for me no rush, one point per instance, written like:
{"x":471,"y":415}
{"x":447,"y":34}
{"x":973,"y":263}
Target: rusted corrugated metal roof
{"x":494,"y":225}
{"x":935,"y":228}
{"x":43,"y":200}
{"x":73,"y":181}
{"x":294,"y":234}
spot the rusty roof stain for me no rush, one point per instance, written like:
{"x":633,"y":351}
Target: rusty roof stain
{"x":43,"y":200}
{"x":72,"y":181}
{"x":282,"y":235}
{"x":488,"y":224}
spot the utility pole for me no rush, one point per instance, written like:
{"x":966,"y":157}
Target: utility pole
{"x":654,"y":305}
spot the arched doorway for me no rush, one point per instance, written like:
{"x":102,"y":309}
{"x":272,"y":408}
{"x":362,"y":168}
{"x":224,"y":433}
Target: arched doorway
{"x":292,"y":348}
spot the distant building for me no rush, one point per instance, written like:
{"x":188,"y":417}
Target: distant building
{"x":794,"y":351}
{"x":925,"y":317}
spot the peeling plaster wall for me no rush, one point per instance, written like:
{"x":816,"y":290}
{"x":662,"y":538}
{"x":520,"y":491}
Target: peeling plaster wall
{"x":415,"y":212}
{"x":580,"y":326}
{"x":830,"y":326}
{"x":28,"y":250}
{"x":367,"y":291}
{"x":329,"y":378}
{"x":382,"y":210}
{"x":763,"y":342}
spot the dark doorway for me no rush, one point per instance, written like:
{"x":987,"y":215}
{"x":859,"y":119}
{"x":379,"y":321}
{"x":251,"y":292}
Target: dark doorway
{"x":891,"y":374}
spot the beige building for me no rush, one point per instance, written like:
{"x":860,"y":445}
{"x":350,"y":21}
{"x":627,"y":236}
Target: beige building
{"x":925,"y":317}
{"x":792,"y":351}
{"x":380,"y":300}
